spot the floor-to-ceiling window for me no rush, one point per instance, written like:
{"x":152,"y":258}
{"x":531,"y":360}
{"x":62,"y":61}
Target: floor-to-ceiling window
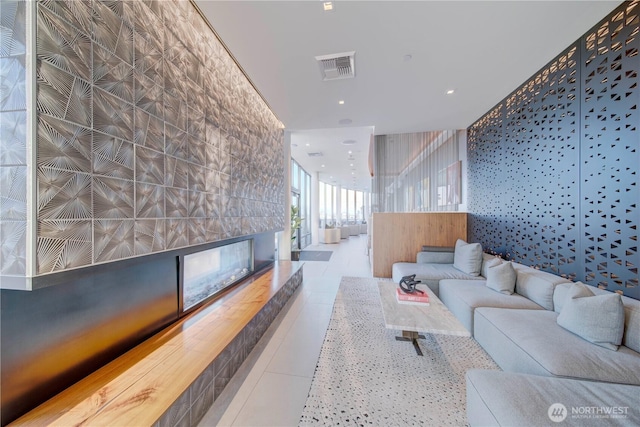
{"x":343,"y":206}
{"x":359,"y":206}
{"x":353,"y":207}
{"x":301,"y":199}
{"x":327,"y":205}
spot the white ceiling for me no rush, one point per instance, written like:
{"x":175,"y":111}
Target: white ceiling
{"x":482,"y":49}
{"x":343,"y":164}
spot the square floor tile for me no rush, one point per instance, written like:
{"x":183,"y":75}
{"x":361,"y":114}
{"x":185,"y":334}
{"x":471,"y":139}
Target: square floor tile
{"x":275,"y":389}
{"x":277,"y":400}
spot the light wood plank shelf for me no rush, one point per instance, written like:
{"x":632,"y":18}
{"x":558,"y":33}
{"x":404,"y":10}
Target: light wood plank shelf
{"x":140,"y":386}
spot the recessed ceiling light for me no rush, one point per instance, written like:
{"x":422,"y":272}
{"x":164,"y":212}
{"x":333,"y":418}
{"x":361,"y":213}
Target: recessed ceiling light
{"x":450,"y":91}
{"x":322,"y":165}
{"x":353,"y":173}
{"x":345,"y":121}
{"x":351,"y":164}
{"x":350,"y":151}
{"x":327,"y":6}
{"x":307,"y":144}
{"x":341,"y":102}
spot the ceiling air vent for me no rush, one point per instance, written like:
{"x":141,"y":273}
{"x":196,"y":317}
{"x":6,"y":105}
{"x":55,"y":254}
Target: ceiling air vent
{"x":316,"y":154}
{"x":337,"y":66}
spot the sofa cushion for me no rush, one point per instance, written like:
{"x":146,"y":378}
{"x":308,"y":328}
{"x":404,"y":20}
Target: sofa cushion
{"x":462,"y":297}
{"x":531,"y":342}
{"x":536,"y":285}
{"x":429,"y":274}
{"x":497,"y":398}
{"x":597,"y":319}
{"x":631,"y":337}
{"x":502,"y":278}
{"x":467,"y":257}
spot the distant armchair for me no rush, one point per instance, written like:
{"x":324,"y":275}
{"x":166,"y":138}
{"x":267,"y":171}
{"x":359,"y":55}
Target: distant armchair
{"x":329,"y":235}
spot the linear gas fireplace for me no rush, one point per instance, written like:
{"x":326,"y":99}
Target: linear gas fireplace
{"x":209,"y":272}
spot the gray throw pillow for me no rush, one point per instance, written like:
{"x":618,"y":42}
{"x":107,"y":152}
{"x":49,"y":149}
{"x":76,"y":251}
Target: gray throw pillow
{"x":502,"y":278}
{"x":488,"y":262}
{"x":467,"y":257}
{"x":597,"y":319}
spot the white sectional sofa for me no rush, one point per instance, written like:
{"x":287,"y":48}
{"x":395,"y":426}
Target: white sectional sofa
{"x":544,"y":362}
{"x":533,"y":291}
{"x":496,"y":398}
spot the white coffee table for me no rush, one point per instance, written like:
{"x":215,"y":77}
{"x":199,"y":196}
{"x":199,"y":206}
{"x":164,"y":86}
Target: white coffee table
{"x":434,"y":318}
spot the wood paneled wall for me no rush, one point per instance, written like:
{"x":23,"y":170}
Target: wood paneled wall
{"x":397,"y":237}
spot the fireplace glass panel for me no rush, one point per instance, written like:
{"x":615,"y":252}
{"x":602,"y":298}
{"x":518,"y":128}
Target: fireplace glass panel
{"x":209,"y":272}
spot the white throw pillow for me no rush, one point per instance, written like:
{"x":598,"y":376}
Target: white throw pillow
{"x":467,"y":257}
{"x":597,"y":319}
{"x":502,"y":278}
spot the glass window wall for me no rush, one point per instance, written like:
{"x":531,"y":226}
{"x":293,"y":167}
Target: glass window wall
{"x":301,"y":198}
{"x":343,"y":206}
{"x":353,"y":209}
{"x":359,"y":207}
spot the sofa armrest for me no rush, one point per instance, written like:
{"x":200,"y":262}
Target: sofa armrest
{"x":428,"y":257}
{"x":438,"y":249}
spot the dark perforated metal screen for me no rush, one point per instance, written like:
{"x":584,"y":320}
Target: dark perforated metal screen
{"x":553,"y":168}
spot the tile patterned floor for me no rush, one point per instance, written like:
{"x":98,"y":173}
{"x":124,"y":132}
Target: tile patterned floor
{"x":271,"y":387}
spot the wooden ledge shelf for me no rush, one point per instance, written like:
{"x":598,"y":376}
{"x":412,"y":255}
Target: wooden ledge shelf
{"x":180,"y":371}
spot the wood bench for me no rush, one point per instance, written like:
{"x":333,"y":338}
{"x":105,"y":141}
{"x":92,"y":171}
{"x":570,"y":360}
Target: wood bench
{"x":180,"y":371}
